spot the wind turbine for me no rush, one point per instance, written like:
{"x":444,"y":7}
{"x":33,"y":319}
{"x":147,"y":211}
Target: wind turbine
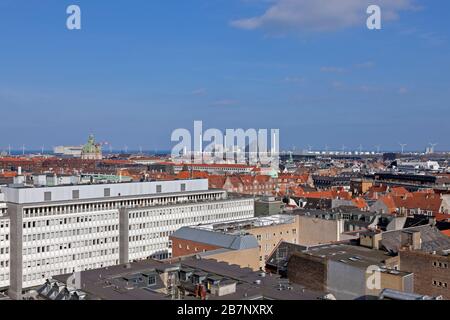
{"x":403,"y":145}
{"x":433,"y":145}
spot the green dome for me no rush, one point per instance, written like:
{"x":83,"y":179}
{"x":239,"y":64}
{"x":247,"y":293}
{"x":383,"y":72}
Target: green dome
{"x":91,"y":146}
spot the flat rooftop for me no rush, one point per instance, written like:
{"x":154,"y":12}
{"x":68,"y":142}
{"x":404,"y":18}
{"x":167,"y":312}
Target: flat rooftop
{"x":351,"y":255}
{"x":31,"y":195}
{"x":240,"y":226}
{"x":116,"y":283}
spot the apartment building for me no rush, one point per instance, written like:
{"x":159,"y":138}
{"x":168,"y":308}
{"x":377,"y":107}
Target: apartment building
{"x":348,"y":272}
{"x":264,"y":233}
{"x":431,"y":271}
{"x":65,"y":229}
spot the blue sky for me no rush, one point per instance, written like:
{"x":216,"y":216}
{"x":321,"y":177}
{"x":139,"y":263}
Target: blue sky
{"x":139,"y":69}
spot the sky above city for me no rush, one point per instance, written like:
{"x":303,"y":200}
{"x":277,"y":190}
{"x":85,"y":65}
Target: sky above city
{"x":137,"y":70}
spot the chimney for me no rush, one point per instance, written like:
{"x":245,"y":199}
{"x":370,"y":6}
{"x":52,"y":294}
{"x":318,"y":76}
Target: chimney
{"x":19,"y":171}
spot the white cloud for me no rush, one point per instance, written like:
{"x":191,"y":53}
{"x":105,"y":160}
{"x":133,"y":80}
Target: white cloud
{"x":332,"y":69}
{"x":320,"y":15}
{"x":294,"y":79}
{"x":337,"y":84}
{"x":403,"y":90}
{"x":365,"y":65}
{"x":224,"y":102}
{"x":199,"y":92}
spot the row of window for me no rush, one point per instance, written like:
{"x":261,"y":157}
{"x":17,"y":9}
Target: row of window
{"x":440,"y":284}
{"x":439,"y":264}
{"x":71,"y":245}
{"x":69,"y":233}
{"x":111,"y":205}
{"x":190,"y":220}
{"x":268,"y":236}
{"x":150,"y":236}
{"x":40,"y":276}
{"x":69,"y":258}
{"x":188,"y":247}
{"x":4,"y":277}
{"x":149,"y":248}
{"x":65,"y":221}
{"x":209,"y":207}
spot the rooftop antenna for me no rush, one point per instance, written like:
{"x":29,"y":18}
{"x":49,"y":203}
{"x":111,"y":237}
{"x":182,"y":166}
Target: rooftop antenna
{"x":23,"y":149}
{"x":9,"y":149}
{"x":403,"y":145}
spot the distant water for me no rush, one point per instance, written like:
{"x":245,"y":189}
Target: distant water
{"x":50,"y":152}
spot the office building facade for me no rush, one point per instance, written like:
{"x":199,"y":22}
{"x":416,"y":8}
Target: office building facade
{"x":65,"y":229}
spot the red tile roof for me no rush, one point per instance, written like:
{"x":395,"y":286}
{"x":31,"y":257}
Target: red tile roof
{"x":418,"y":200}
{"x":446,"y":232}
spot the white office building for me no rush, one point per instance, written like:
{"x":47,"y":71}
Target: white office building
{"x":4,"y":245}
{"x":46,"y":231}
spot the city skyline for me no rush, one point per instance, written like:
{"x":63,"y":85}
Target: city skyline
{"x":327,"y":80}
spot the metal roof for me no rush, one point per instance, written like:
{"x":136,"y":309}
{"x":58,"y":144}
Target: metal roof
{"x":218,"y":239}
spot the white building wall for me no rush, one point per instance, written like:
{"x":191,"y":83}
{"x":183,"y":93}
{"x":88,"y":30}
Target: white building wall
{"x":90,"y":192}
{"x":68,"y":236}
{"x":150,"y":229}
{"x":60,"y":244}
{"x":4,"y":251}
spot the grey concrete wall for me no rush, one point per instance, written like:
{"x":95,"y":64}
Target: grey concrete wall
{"x":344,"y":281}
{"x":124,"y":233}
{"x":15,"y":251}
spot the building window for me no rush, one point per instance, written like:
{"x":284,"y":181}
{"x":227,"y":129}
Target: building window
{"x":107,"y":192}
{"x":151,"y":280}
{"x":159,"y":188}
{"x":47,"y":196}
{"x":183,"y":187}
{"x":75,"y":194}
